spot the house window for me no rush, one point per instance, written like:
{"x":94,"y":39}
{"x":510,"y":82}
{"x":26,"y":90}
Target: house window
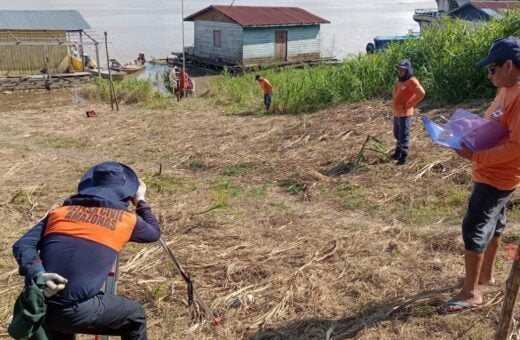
{"x":217,"y":38}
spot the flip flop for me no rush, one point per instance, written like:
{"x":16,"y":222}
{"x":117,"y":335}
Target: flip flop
{"x":445,"y":308}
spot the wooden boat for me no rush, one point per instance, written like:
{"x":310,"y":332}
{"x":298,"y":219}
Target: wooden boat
{"x":116,"y":75}
{"x":77,"y":64}
{"x":131,"y":67}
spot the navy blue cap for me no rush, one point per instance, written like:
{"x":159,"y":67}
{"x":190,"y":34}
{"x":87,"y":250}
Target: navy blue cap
{"x":502,"y":49}
{"x":109,"y":180}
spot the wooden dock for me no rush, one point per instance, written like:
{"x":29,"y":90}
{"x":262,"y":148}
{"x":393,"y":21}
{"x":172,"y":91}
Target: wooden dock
{"x":38,"y":81}
{"x":214,"y":64}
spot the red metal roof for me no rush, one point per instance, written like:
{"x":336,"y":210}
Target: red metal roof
{"x":495,"y":5}
{"x":264,"y":16}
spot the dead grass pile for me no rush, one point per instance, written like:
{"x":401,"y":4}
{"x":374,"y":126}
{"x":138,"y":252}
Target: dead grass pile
{"x":274,"y":243}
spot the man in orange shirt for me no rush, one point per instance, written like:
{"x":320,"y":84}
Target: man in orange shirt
{"x":268,"y":90}
{"x":407,"y":93}
{"x":496,"y":174}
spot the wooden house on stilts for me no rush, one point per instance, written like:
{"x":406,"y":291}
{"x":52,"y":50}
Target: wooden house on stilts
{"x":247,"y":35}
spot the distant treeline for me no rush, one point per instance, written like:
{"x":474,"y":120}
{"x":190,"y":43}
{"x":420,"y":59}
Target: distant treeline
{"x":443,"y":57}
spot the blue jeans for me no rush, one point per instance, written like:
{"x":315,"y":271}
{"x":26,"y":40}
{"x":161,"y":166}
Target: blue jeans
{"x":402,"y":126}
{"x":268,"y":97}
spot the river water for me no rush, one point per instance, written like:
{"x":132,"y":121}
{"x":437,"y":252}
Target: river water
{"x":155,"y":26}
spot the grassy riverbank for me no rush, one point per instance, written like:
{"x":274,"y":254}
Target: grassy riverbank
{"x":444,"y":60}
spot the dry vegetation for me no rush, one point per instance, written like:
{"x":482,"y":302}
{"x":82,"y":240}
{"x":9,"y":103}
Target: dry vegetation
{"x":248,"y":205}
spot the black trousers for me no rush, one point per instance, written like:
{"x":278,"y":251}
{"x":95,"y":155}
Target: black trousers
{"x":103,"y":315}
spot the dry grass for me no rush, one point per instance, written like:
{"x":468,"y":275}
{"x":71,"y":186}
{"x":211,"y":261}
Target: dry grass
{"x":247,"y":207}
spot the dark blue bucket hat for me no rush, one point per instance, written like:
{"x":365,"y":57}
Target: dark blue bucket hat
{"x":502,"y":49}
{"x":112,"y":181}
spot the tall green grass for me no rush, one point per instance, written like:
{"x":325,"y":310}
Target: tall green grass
{"x":444,"y":61}
{"x":129,"y":91}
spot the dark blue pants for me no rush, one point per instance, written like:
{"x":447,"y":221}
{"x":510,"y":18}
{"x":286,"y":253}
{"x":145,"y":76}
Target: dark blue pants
{"x":485,"y":217}
{"x":103,"y":315}
{"x":402,"y":127}
{"x":268,"y":98}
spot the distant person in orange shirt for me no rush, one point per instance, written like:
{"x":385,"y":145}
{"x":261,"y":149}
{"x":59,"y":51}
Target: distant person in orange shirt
{"x":496,"y":174}
{"x":407,"y":93}
{"x":268,"y":90}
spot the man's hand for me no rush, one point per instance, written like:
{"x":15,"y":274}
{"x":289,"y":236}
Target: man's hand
{"x":53,"y":282}
{"x":465,"y":152}
{"x":141,"y":191}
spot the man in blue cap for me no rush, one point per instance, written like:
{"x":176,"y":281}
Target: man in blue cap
{"x":407,"y":93}
{"x":496,"y":174}
{"x":72,"y":250}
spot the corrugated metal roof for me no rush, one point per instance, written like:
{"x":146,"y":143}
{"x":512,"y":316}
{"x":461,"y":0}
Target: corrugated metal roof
{"x":67,"y":20}
{"x":264,"y":16}
{"x":495,"y":5}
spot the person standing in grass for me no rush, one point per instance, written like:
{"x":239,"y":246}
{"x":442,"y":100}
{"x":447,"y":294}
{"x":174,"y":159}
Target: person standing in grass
{"x":496,"y":174}
{"x":268,"y":90}
{"x":69,"y":253}
{"x":407,"y":93}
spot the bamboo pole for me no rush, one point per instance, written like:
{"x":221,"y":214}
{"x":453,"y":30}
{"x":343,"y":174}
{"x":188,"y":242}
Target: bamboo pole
{"x":183,"y":51}
{"x":113,"y":97}
{"x":97,"y":60}
{"x":82,"y":51}
{"x":512,"y":286}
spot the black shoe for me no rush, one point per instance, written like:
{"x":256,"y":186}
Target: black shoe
{"x":401,"y":161}
{"x":395,"y":155}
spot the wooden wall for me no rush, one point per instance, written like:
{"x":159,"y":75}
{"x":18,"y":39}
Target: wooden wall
{"x":231,"y":41}
{"x":254,"y":45}
{"x":30,"y":59}
{"x":303,"y":43}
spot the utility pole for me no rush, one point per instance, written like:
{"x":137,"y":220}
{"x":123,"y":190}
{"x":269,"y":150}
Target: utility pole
{"x":183,"y":53}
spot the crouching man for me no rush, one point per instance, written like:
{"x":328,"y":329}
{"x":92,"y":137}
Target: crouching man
{"x":72,"y":249}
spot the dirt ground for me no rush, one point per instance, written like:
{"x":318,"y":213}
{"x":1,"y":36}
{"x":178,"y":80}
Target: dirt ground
{"x":275,"y":244}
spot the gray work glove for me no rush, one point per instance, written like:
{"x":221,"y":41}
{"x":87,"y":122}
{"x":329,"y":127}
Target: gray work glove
{"x":141,"y":191}
{"x":53,"y":283}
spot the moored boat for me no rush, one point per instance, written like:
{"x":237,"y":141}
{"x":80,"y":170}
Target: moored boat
{"x":131,"y":67}
{"x":116,"y":75}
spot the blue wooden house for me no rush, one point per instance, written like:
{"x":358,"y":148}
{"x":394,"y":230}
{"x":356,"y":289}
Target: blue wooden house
{"x":247,"y":35}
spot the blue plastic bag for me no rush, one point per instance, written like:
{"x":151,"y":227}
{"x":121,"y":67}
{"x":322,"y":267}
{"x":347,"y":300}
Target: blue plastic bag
{"x":464,"y":127}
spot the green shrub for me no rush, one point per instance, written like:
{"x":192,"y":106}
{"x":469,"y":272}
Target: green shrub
{"x":131,"y":91}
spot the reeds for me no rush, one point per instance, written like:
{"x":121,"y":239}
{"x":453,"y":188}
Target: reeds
{"x":128,"y":91}
{"x":443,"y":58}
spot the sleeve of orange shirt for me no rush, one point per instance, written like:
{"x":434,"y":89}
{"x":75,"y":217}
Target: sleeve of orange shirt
{"x":508,"y":151}
{"x":418,"y":95}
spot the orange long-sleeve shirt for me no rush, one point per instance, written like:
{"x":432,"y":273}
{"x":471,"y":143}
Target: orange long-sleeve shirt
{"x":266,"y":86}
{"x":500,"y":166}
{"x":407,"y":94}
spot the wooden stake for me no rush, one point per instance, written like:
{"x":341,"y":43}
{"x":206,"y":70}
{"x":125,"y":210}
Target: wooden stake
{"x":113,"y":97}
{"x":512,"y":286}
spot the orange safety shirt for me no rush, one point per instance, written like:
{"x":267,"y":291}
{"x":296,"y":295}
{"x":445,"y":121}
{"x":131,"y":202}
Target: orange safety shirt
{"x":81,"y":242}
{"x":266,"y":86}
{"x":500,"y":166}
{"x":406,"y":95}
